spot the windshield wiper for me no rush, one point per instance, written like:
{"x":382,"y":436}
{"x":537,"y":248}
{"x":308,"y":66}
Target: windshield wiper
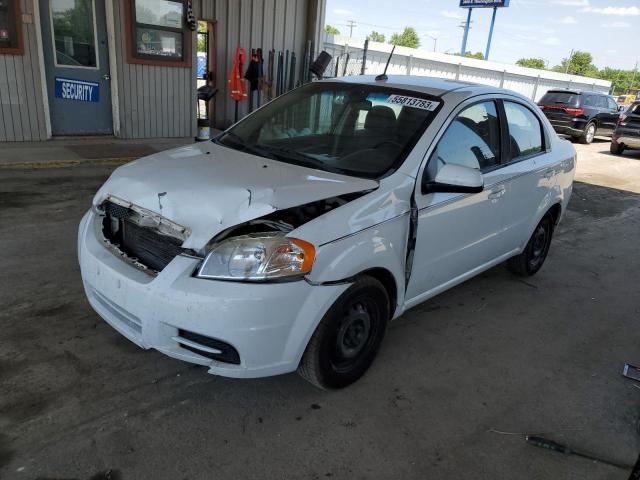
{"x":302,"y":159}
{"x":240,"y":144}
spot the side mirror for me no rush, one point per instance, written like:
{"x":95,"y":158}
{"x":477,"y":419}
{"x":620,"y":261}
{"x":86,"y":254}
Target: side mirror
{"x":454,"y":179}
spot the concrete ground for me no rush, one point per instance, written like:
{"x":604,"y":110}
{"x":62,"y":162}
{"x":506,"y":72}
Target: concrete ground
{"x":459,"y":380}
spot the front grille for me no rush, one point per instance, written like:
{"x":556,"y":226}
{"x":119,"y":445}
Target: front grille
{"x":146,"y":245}
{"x":227,"y":354}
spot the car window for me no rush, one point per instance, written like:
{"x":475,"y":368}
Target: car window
{"x":472,"y":139}
{"x":635,"y":109}
{"x":565,"y":98}
{"x":612,"y":105}
{"x":602,"y":102}
{"x":525,"y":130}
{"x":589,"y":101}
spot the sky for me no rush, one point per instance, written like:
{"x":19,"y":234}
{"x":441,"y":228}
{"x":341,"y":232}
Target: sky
{"x":548,"y":29}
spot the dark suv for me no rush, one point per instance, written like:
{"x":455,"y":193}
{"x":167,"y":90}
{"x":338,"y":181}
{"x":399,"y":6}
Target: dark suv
{"x":627,"y":134}
{"x":580,"y":114}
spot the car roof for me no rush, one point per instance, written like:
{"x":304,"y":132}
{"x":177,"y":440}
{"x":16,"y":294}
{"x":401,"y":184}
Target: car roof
{"x":429,"y":85}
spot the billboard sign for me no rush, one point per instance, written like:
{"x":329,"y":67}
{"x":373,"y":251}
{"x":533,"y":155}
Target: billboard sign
{"x":483,"y":3}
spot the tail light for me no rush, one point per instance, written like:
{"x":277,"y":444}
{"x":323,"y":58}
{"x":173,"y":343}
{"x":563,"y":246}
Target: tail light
{"x":574,"y":111}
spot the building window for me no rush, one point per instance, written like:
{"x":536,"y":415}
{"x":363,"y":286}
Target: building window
{"x":74,"y":33}
{"x":10,"y":27}
{"x":158,"y":33}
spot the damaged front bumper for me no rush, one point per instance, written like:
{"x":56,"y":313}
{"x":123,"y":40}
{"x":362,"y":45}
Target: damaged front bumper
{"x":268,"y":324}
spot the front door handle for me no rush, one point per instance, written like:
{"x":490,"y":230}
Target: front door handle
{"x":496,"y":193}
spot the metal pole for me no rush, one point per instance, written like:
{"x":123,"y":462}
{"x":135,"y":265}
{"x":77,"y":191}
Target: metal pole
{"x":493,"y":21}
{"x":364,"y":57}
{"x":566,"y":70}
{"x":466,"y":34}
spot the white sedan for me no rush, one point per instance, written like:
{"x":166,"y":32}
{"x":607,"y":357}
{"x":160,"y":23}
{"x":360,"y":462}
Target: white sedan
{"x":291,"y":240}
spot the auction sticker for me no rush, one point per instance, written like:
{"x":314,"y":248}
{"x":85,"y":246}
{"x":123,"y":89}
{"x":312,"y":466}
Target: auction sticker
{"x":413,"y":102}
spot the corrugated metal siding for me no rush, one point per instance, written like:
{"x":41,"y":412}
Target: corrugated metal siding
{"x":266,"y":24}
{"x":529,"y":82}
{"x":154,"y":101}
{"x":22,"y":116}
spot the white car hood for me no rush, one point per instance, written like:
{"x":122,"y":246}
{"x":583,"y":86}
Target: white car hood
{"x":207,"y":188}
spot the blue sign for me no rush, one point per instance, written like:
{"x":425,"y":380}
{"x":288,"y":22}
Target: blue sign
{"x":79,"y":90}
{"x":483,"y":3}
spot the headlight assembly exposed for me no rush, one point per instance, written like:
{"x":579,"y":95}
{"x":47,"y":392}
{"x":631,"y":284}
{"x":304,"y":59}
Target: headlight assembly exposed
{"x":258,"y":257}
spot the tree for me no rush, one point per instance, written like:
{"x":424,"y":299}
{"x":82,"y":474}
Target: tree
{"x":580,"y":63}
{"x":376,"y":37}
{"x":478,"y":55}
{"x":533,"y":62}
{"x":408,"y":38}
{"x":331,"y":30}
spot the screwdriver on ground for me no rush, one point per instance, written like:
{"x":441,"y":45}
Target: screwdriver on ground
{"x":556,"y":447}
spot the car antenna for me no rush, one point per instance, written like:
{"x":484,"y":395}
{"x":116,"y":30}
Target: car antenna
{"x":383,"y":75}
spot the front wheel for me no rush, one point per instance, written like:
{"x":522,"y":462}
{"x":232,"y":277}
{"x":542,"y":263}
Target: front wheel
{"x":535,"y":253}
{"x":347,"y":339}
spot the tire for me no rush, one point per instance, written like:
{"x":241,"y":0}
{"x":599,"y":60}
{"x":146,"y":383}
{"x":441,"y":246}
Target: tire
{"x":535,"y":253}
{"x":348,"y":337}
{"x":616,"y":148}
{"x":588,"y":134}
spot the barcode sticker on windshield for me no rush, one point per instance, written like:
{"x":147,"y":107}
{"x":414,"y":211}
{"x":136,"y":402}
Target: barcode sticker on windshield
{"x":413,"y":102}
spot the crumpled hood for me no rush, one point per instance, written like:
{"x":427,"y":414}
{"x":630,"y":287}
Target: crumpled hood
{"x":207,"y":187}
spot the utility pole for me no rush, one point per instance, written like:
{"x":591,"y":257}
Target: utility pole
{"x":466,"y":25}
{"x":566,"y":70}
{"x":351,"y":24}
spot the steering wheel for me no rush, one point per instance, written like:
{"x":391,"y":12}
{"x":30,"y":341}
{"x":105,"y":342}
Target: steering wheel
{"x":392,"y":142}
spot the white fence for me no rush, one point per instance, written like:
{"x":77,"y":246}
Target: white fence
{"x":533,"y":83}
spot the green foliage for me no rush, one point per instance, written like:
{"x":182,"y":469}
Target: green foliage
{"x":478,"y":55}
{"x":408,"y":38}
{"x":376,"y":37}
{"x":331,"y":30}
{"x":533,"y":62}
{"x":580,"y":63}
{"x":622,"y":80}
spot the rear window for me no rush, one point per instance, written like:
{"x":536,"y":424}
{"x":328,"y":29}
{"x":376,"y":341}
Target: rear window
{"x":564,"y":98}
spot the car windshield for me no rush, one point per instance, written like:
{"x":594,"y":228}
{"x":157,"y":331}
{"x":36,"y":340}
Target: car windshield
{"x":359,"y":130}
{"x":564,"y":98}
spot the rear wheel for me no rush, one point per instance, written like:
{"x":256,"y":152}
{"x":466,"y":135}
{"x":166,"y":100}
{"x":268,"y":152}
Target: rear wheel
{"x":535,"y":253}
{"x":616,"y":148}
{"x":347,"y":339}
{"x":588,"y":134}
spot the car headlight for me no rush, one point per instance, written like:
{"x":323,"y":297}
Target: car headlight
{"x":256,"y":257}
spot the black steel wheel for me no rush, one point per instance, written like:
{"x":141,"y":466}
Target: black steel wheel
{"x":347,"y":339}
{"x":535,"y":253}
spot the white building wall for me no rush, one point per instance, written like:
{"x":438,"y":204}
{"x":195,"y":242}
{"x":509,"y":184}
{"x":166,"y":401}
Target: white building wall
{"x":530,"y":82}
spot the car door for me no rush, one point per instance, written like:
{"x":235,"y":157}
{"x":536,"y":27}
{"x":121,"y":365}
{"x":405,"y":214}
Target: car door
{"x":605,"y":116}
{"x":612,"y":115}
{"x":526,"y":171}
{"x":457,"y":234}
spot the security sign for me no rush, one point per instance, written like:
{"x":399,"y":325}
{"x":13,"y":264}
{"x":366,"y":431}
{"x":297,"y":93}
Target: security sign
{"x":69,"y":89}
{"x":483,"y":3}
